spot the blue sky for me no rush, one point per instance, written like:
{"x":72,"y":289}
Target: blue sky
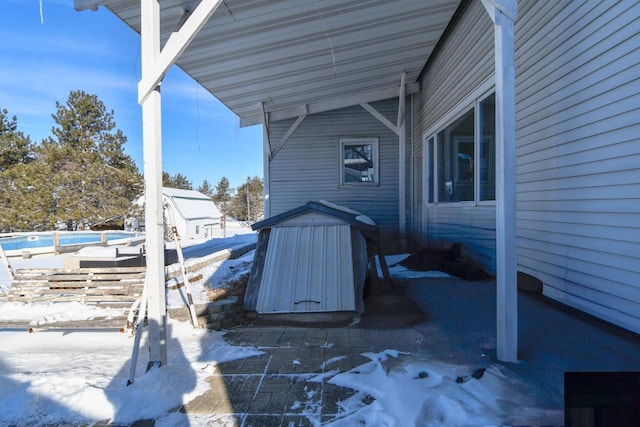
{"x":41,"y":61}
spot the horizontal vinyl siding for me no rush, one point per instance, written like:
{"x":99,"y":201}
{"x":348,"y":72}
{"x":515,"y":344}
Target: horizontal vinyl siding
{"x":416,"y":221}
{"x":578,"y":132}
{"x":474,"y":227}
{"x":464,"y":61}
{"x":307,"y":167}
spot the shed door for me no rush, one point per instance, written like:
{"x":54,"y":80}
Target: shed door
{"x":308,"y":269}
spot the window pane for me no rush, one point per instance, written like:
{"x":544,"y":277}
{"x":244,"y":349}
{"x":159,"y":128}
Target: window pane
{"x":488,"y":148}
{"x":456,"y":160}
{"x":358,"y":163}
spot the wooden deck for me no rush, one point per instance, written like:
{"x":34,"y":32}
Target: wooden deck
{"x":114,"y":286}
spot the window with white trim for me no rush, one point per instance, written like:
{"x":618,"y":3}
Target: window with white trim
{"x":460,"y":157}
{"x":358,"y":161}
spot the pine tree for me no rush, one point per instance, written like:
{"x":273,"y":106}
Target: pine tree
{"x":23,"y":185}
{"x":248,"y":205}
{"x":222,"y":196}
{"x":206,"y":189}
{"x":176,"y":181}
{"x":92,"y":179}
{"x":15,"y":147}
{"x":27,"y":198}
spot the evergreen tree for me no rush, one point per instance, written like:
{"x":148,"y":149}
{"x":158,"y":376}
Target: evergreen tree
{"x":248,"y":205}
{"x":176,"y":181}
{"x":27,"y":198}
{"x":222,"y":196}
{"x":92,"y":178}
{"x":206,"y":189}
{"x":15,"y":147}
{"x":23,"y":185}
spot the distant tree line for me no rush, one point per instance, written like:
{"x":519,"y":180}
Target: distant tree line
{"x":80,"y":176}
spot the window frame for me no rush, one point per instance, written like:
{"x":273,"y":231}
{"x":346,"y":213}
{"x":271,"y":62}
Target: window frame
{"x":346,"y":141}
{"x":431,"y":159}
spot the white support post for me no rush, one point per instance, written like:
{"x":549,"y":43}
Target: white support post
{"x":503,"y":13}
{"x":266,"y":161}
{"x":402,"y":153}
{"x":152,"y":151}
{"x":175,"y":46}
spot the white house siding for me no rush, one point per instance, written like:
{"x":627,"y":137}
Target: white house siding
{"x":463,"y":62}
{"x":578,"y":130}
{"x":307,"y":167}
{"x":578,"y":148}
{"x":415,"y":192}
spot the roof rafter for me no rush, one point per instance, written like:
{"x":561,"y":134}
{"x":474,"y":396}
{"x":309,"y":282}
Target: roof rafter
{"x":277,"y":114}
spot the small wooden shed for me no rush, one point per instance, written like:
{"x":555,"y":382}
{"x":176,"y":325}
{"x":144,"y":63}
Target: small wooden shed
{"x":311,"y":259}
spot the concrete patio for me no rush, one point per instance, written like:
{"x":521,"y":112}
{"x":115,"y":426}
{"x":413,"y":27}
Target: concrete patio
{"x":459,"y":329}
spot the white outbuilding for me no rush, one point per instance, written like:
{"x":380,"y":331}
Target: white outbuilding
{"x":195,"y":215}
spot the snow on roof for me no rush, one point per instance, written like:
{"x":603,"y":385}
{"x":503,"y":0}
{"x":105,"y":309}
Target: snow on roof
{"x":179,"y":192}
{"x":349,"y":215}
{"x":359,"y":216}
{"x":191,"y":204}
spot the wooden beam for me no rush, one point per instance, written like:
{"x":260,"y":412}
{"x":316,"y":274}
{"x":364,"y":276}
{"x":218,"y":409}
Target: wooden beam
{"x":176,"y":45}
{"x":287,"y":135}
{"x":382,"y":119}
{"x":278,"y":112}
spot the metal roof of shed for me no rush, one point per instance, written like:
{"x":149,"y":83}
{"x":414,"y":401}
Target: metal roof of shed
{"x":192,"y":204}
{"x":346,"y":215}
{"x":301,"y":56}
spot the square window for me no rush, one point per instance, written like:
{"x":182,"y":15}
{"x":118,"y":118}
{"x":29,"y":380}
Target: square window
{"x":359,"y":161}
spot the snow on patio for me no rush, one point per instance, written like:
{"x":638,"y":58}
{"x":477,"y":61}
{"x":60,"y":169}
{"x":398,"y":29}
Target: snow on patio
{"x":80,"y":376}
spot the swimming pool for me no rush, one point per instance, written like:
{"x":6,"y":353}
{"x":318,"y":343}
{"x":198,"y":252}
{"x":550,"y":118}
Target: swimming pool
{"x":47,"y":239}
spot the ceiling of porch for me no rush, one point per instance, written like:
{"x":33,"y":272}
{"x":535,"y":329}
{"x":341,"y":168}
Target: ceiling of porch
{"x":303,"y":56}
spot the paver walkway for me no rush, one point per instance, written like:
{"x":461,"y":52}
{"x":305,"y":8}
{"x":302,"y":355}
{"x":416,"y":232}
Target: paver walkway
{"x":287,"y":385}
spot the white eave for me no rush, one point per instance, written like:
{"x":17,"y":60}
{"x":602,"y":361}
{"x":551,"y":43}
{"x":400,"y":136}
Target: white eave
{"x":301,"y":56}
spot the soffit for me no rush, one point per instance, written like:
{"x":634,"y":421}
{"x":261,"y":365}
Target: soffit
{"x":303,"y":56}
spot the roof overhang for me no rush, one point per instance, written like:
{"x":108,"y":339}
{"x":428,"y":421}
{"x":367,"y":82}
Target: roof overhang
{"x":292,"y":57}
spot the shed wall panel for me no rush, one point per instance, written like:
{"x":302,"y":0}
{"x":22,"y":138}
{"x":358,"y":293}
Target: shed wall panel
{"x":308,"y":269}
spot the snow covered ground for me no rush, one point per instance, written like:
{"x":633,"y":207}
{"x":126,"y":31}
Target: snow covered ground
{"x":80,"y":376}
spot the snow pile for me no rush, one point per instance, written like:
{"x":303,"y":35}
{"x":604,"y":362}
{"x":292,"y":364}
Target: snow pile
{"x":412,"y":392}
{"x":43,"y":314}
{"x":81,"y":377}
{"x":398,"y":271}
